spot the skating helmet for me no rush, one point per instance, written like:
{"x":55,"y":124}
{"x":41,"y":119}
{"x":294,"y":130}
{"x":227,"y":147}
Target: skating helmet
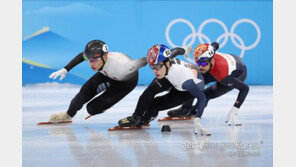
{"x":205,"y":51}
{"x":157,"y":54}
{"x":95,"y":47}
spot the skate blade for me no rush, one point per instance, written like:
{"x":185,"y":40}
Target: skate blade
{"x":46,"y":123}
{"x":205,"y":134}
{"x":235,"y":124}
{"x":87,"y":117}
{"x":175,"y":118}
{"x":202,"y":133}
{"x":125,"y":128}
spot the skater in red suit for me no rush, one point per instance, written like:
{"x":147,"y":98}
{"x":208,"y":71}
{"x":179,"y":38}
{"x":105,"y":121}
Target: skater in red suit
{"x":227,"y":71}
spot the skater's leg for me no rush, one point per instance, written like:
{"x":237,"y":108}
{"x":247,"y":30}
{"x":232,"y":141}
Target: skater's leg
{"x":187,"y":104}
{"x":87,"y":92}
{"x":147,"y":97}
{"x":145,"y":100}
{"x":182,"y":111}
{"x":170,"y":100}
{"x":113,"y":94}
{"x":216,"y":90}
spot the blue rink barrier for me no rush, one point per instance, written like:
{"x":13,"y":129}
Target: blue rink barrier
{"x":243,"y":28}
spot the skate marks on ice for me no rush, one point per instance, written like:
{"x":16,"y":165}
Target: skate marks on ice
{"x":118,"y":148}
{"x":92,"y":145}
{"x":88,"y":143}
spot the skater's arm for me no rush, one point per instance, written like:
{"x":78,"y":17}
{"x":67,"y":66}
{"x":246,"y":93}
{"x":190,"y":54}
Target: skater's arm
{"x":197,"y":92}
{"x":78,"y":59}
{"x":135,"y":65}
{"x":177,"y":51}
{"x":243,"y":88}
{"x":181,"y":51}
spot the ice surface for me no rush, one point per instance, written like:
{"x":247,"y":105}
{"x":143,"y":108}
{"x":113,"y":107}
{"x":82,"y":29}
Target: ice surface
{"x":88,"y":143}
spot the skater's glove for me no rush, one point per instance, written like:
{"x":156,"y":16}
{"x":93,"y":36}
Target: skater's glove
{"x":232,"y":117}
{"x":62,"y":72}
{"x":188,"y":49}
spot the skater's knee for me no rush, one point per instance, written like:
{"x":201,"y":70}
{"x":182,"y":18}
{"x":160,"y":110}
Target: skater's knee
{"x":246,"y":88}
{"x":94,"y":109}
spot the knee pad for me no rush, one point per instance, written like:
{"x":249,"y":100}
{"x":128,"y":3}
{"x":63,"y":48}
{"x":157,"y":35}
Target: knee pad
{"x":94,"y":109}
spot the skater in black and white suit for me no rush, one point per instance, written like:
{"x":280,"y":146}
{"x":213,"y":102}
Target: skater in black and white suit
{"x":182,"y":79}
{"x":117,"y":76}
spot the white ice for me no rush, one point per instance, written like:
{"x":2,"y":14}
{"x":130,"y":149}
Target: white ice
{"x":88,"y":143}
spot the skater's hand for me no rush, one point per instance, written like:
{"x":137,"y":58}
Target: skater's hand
{"x":62,"y":72}
{"x":188,"y":49}
{"x":232,"y":117}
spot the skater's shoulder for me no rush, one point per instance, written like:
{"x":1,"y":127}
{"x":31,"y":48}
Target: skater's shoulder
{"x":177,"y":71}
{"x":179,"y":66}
{"x":115,"y":54}
{"x":118,"y":56}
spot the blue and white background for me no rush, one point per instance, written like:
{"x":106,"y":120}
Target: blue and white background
{"x":56,"y":31}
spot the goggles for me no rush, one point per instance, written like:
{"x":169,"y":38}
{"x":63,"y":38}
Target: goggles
{"x":92,"y":59}
{"x":203,"y":61}
{"x":156,"y":66}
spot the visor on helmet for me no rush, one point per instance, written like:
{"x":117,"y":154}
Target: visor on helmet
{"x":156,"y":66}
{"x":204,"y":61}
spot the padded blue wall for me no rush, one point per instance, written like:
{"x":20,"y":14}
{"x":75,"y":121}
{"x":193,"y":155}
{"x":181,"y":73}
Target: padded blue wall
{"x":244,"y":28}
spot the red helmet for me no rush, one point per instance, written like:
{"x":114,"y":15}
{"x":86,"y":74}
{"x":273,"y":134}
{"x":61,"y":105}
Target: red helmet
{"x":157,"y":54}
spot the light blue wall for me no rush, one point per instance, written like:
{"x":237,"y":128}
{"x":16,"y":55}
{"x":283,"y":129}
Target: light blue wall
{"x":132,"y":27}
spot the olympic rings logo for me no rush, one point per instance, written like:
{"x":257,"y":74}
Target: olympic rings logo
{"x":226,"y":34}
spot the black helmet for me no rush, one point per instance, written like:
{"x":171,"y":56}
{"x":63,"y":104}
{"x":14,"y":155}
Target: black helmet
{"x":95,"y":47}
{"x":215,"y":46}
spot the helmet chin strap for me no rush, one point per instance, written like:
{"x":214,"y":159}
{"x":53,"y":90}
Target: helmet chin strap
{"x":166,"y":67}
{"x":103,"y":63}
{"x":166,"y":70}
{"x":211,"y":65}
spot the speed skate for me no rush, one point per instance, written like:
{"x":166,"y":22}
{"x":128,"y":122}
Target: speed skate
{"x":175,"y":118}
{"x":128,"y":128}
{"x":46,"y":123}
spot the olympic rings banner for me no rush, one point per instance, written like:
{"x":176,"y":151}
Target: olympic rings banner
{"x":243,"y":28}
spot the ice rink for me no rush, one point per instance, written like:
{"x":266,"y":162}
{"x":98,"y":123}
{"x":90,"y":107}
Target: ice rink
{"x":88,"y":143}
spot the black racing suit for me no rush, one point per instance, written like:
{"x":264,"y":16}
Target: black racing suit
{"x":113,"y":91}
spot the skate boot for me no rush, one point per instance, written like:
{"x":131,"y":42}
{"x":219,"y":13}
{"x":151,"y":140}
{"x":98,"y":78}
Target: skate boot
{"x":179,"y":112}
{"x":147,"y":118}
{"x":58,"y":118}
{"x":199,"y":128}
{"x":192,"y":113}
{"x":131,"y":121}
